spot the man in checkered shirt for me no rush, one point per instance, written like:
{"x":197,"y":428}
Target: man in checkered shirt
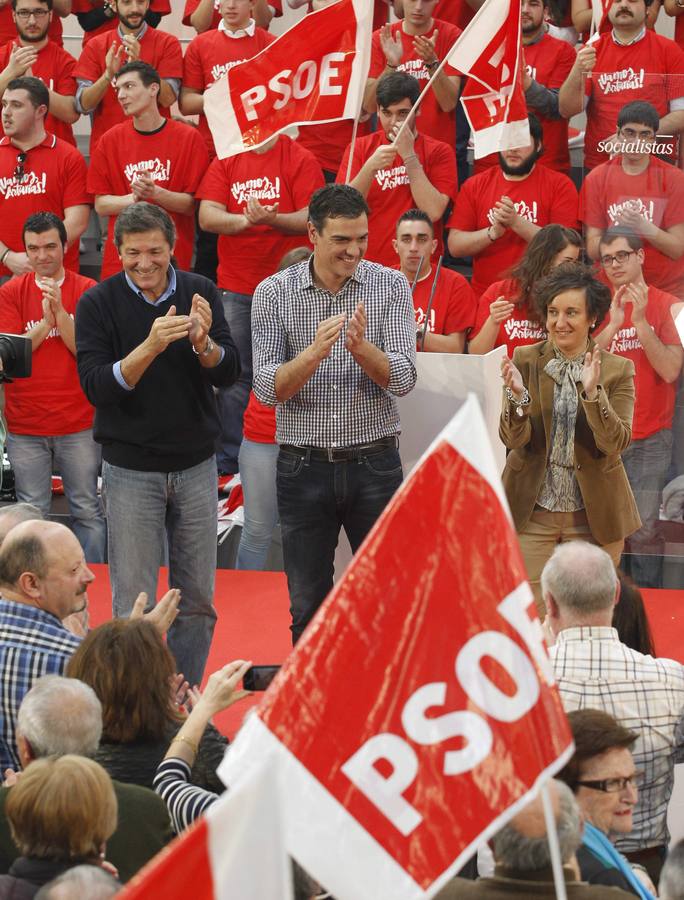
{"x":333,"y":341}
{"x":595,"y":670}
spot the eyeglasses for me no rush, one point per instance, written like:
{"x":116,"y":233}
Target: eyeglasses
{"x":613,"y":785}
{"x":619,"y":257}
{"x":19,"y":171}
{"x":25,"y":14}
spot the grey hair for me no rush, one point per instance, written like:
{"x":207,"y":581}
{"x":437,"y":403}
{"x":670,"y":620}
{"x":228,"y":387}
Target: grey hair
{"x":80,"y":883}
{"x":517,"y":851}
{"x":671,"y":885}
{"x":140,"y":217}
{"x":59,"y":716}
{"x":580,"y":577}
{"x":15,"y":515}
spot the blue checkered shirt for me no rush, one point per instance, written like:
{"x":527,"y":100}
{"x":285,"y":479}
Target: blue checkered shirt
{"x":340,"y":405}
{"x":595,"y":670}
{"x":33,"y":643}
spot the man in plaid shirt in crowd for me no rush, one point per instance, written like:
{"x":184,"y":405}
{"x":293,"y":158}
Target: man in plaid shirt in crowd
{"x":333,"y":341}
{"x":595,"y":670}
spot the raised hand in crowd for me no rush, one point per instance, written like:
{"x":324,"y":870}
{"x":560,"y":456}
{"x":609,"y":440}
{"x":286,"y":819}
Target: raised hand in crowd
{"x":327,"y":334}
{"x":404,"y":141}
{"x":425,"y":47}
{"x":591,"y":372}
{"x":617,"y":310}
{"x":259,"y":213}
{"x":356,"y":330}
{"x":501,"y":309}
{"x":131,"y":47}
{"x":167,"y":329}
{"x":163,"y":614}
{"x":20,"y":62}
{"x":114,"y":59}
{"x":635,"y":293}
{"x":512,"y":378}
{"x":392,"y":47}
{"x":200,"y":321}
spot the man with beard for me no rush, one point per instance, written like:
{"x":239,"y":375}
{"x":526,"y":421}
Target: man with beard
{"x":33,"y":53}
{"x":499,"y":211}
{"x":398,"y":173}
{"x":629,"y":62}
{"x":105,"y":54}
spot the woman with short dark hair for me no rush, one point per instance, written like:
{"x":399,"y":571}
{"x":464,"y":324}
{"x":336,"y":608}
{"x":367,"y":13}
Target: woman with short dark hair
{"x":566,"y":418}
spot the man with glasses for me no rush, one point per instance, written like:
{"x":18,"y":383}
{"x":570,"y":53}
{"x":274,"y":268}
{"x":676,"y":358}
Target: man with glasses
{"x":640,"y":327}
{"x":38,"y":173}
{"x":595,"y":670}
{"x":33,"y":53}
{"x":638,"y":190}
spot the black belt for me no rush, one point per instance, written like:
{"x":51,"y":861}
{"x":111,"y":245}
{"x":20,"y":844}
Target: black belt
{"x":340,"y":454}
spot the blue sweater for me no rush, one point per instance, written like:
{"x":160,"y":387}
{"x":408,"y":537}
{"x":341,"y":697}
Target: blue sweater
{"x":168,"y":422}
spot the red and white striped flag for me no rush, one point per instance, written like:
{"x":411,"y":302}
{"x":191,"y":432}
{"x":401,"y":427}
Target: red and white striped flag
{"x":422,"y":687}
{"x":314,"y":72}
{"x":489,"y":53}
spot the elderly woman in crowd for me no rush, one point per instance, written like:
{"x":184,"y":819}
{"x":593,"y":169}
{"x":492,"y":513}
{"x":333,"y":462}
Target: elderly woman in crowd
{"x":506,"y":315}
{"x":131,"y":670}
{"x":61,"y":813}
{"x":604,"y":779}
{"x":566,"y":418}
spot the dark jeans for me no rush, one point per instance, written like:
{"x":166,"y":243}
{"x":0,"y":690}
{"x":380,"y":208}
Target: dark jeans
{"x":315,"y":499}
{"x":232,"y":401}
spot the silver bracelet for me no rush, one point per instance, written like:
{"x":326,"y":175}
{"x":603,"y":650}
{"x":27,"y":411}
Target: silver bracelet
{"x":512,"y":398}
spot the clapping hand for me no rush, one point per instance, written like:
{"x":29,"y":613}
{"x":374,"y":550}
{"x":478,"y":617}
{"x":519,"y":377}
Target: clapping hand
{"x":512,"y":378}
{"x":591,"y":373}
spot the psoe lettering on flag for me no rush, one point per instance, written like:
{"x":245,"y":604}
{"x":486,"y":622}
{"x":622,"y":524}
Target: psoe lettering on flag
{"x":418,"y":711}
{"x":314,"y":72}
{"x":488,"y":52}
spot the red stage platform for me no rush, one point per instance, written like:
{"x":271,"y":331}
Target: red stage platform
{"x":253,"y":622}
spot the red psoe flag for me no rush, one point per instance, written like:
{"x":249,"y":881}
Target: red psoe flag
{"x":418,"y":711}
{"x":489,"y":53}
{"x":314,"y":72}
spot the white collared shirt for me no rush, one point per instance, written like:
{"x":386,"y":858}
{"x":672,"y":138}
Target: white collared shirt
{"x":241,"y":32}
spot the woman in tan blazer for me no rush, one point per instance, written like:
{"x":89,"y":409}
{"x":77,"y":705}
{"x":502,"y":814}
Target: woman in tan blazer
{"x":566,"y":418}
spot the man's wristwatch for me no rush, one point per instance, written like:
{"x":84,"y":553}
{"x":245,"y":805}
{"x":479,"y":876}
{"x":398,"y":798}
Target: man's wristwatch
{"x":207,"y":350}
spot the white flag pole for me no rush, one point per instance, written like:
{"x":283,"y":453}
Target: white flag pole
{"x":359,"y":112}
{"x":554,"y":847}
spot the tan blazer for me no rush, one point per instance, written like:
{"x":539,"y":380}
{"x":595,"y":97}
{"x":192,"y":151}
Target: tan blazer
{"x":602,"y":431}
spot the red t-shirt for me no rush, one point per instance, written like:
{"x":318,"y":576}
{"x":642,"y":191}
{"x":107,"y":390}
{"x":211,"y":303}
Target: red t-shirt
{"x":161,"y":50}
{"x":162,"y":7}
{"x":652,"y":69}
{"x":659,"y":190}
{"x":8,"y":30}
{"x":51,"y":401}
{"x":543,"y":197}
{"x":54,"y":179}
{"x":654,"y":398}
{"x":176,"y":158}
{"x":210,"y":55}
{"x":191,"y":6}
{"x":55,"y":68}
{"x":286,"y":174}
{"x":453,"y":304}
{"x":432,"y":121}
{"x":520,"y":328}
{"x":455,"y":11}
{"x":390,"y":192}
{"x":259,"y":421}
{"x":329,"y":140}
{"x":548,"y":61}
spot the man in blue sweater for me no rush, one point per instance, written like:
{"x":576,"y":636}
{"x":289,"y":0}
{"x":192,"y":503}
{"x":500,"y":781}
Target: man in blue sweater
{"x":152,"y":344}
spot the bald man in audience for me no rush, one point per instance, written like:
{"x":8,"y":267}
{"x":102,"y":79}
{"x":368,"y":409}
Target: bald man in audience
{"x":43,"y":580}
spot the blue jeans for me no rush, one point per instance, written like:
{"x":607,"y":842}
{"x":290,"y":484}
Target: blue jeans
{"x":258,"y":477}
{"x":77,"y":457}
{"x":315,"y":499}
{"x":232,"y":401}
{"x":647,"y":462}
{"x":145,"y":509}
